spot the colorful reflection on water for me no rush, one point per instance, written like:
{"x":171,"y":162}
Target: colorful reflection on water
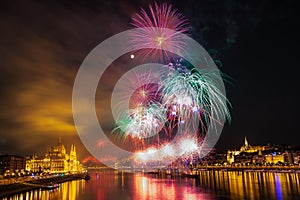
{"x":211,"y":185}
{"x":156,"y":188}
{"x":66,"y":191}
{"x":252,"y":185}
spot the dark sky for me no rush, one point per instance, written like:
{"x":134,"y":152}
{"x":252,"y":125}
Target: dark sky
{"x":42,"y":45}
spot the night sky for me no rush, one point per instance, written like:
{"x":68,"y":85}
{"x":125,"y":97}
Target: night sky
{"x":42,"y":45}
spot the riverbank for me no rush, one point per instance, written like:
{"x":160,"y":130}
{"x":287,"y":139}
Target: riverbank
{"x":39,"y":183}
{"x":279,"y":169}
{"x":252,"y":168}
{"x":197,"y":172}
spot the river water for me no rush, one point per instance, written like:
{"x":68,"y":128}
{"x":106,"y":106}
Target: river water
{"x":211,"y":185}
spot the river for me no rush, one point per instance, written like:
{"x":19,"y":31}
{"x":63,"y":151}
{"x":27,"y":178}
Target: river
{"x":211,"y":185}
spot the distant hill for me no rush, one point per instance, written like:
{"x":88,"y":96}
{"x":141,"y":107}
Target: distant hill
{"x":91,"y":161}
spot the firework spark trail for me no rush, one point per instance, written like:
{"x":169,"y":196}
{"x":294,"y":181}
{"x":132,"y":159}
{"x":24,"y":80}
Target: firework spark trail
{"x":139,"y":114}
{"x":137,"y":88}
{"x":184,"y":95}
{"x":154,"y":24}
{"x":142,"y":122}
{"x":186,"y":102}
{"x":161,"y":16}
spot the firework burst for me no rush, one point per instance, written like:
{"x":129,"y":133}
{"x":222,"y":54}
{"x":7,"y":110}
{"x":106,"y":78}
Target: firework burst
{"x":140,"y":116}
{"x":154,"y":32}
{"x":170,"y":116}
{"x":183,"y":100}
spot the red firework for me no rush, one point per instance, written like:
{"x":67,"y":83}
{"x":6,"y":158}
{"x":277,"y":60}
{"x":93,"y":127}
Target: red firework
{"x":145,"y":95}
{"x":158,"y":33}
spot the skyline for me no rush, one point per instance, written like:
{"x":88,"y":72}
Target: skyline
{"x":42,"y":55}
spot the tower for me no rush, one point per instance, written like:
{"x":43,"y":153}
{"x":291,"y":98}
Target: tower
{"x":73,"y":163}
{"x":230,"y":156}
{"x":246,"y":143}
{"x":73,"y":154}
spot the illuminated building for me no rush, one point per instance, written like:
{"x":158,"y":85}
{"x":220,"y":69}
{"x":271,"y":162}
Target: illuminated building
{"x":56,"y":160}
{"x":297,"y":159}
{"x":259,"y":155}
{"x":275,"y":158}
{"x":250,"y":149}
{"x":245,"y":154}
{"x":11,"y":164}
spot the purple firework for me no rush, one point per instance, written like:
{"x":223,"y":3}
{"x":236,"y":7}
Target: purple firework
{"x":162,"y":29}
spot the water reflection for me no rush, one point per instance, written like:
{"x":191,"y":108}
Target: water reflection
{"x":157,"y":188}
{"x":251,"y":185}
{"x":66,"y":191}
{"x":211,"y":185}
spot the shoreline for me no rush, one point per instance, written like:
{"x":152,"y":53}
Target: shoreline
{"x":283,"y":169}
{"x":193,"y":171}
{"x":7,"y":190}
{"x":24,"y":186}
{"x":254,"y":168}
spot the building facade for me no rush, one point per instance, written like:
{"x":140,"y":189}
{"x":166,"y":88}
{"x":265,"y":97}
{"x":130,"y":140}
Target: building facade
{"x":56,"y":160}
{"x":245,"y":154}
{"x":11,"y":164}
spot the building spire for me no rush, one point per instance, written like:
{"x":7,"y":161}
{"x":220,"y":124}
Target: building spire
{"x":59,"y":140}
{"x":246,"y":142}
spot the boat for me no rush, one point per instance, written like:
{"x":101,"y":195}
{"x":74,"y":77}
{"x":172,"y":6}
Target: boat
{"x":191,"y":175}
{"x":51,"y":186}
{"x":153,"y":172}
{"x":87,"y":177}
{"x":287,"y":171}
